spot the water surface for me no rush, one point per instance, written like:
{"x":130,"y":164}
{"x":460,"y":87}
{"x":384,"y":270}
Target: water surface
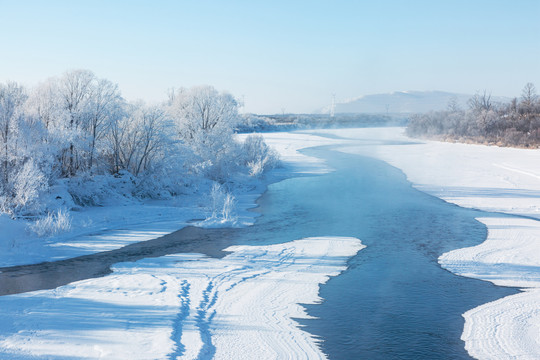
{"x":393,"y":302}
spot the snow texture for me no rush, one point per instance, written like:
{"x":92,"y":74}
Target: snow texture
{"x":182,"y":306}
{"x":178,"y":306}
{"x":168,"y":306}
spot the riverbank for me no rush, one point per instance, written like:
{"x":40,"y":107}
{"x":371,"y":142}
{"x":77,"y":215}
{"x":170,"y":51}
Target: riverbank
{"x":183,"y":306}
{"x":178,"y":306}
{"x":164,"y":306}
{"x":494,"y":179}
{"x":96,"y":229}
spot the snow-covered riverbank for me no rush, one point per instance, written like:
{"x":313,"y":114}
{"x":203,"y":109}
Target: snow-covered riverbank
{"x":96,"y":229}
{"x":182,"y":306}
{"x":178,"y":306}
{"x":163,"y":306}
{"x":489,"y":178}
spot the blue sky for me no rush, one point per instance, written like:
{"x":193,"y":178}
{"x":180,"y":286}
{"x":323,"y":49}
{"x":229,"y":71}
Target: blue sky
{"x":279,"y":55}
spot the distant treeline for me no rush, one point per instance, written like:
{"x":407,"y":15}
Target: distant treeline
{"x":286,"y":122}
{"x":516,"y":123}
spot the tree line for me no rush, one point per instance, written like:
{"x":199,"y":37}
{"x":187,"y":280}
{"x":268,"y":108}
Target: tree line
{"x":77,"y":131}
{"x":516,"y":123}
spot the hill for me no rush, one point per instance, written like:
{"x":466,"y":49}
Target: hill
{"x":404,"y":102}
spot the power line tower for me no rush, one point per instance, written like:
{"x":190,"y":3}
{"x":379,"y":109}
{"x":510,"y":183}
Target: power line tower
{"x":333,"y":106}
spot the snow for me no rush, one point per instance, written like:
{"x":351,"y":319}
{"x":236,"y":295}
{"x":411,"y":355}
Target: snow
{"x":162,"y":307}
{"x":183,"y":306}
{"x":505,"y":329}
{"x":93,"y":230}
{"x":177,"y":306}
{"x":495,"y":179}
{"x":96,"y":229}
{"x":287,"y":145}
{"x":509,"y":256}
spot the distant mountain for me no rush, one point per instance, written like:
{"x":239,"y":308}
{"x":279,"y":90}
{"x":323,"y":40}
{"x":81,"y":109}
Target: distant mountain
{"x":404,"y":102}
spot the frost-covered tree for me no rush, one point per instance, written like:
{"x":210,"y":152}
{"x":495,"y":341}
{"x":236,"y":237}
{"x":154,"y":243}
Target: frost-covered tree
{"x":75,"y":91}
{"x":29,"y":182}
{"x":48,"y":120}
{"x":138,"y":139}
{"x":12,"y":98}
{"x":515,"y":123}
{"x":205,"y":120}
{"x":76,"y":133}
{"x":45,"y":105}
{"x":104,"y":105}
{"x":77,"y":110}
{"x":22,"y":179}
{"x":203,"y":109}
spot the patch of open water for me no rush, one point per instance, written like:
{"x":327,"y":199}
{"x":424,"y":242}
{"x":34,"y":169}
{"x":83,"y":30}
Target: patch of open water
{"x":393,"y":302}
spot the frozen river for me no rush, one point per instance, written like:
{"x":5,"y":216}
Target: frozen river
{"x":393,"y":302}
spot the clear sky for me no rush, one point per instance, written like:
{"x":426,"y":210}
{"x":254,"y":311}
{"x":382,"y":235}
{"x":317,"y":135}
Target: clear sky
{"x":279,"y":55}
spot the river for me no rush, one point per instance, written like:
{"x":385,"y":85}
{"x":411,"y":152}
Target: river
{"x":393,"y":302}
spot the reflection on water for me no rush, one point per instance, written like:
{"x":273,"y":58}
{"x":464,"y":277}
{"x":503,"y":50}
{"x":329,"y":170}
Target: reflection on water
{"x":394,"y":301}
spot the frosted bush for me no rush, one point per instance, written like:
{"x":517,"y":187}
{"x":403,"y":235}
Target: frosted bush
{"x":5,"y":205}
{"x":258,"y":156}
{"x":99,"y":190}
{"x":52,"y":224}
{"x":222,"y":204}
{"x":255,"y":168}
{"x":216,"y":199}
{"x":227,"y":212}
{"x":28,"y":184}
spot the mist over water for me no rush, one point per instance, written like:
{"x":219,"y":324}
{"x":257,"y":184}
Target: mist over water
{"x":394,"y":301}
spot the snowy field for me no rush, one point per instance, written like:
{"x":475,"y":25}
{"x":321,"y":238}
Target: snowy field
{"x":181,"y":307}
{"x":191,"y":306}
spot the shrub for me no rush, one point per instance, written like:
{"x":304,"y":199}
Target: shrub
{"x":52,"y":224}
{"x":258,"y":156}
{"x":29,"y":182}
{"x":222,"y":204}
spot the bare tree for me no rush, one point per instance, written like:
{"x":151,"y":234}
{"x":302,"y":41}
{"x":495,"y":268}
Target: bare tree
{"x":481,"y":102}
{"x":528,"y":95}
{"x":453,"y":105}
